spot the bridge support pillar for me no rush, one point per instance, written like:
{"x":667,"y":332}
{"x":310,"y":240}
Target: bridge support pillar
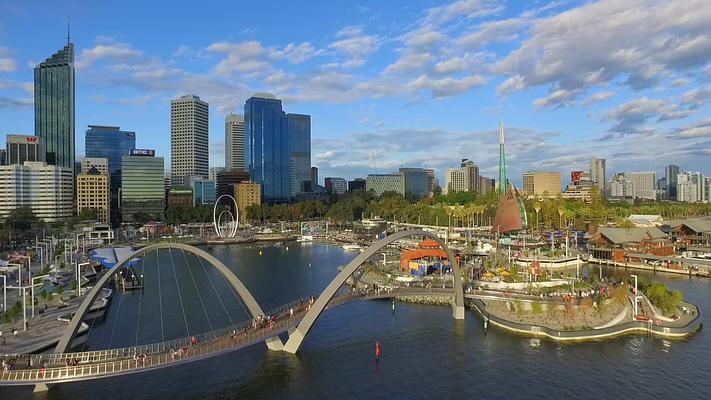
{"x":274,"y":343}
{"x":295,"y":338}
{"x":458,"y":312}
{"x":40,"y":388}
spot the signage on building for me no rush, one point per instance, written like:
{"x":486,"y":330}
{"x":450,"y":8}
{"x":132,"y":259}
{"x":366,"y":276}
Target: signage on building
{"x":142,"y":152}
{"x":31,"y":139}
{"x":576,"y":176}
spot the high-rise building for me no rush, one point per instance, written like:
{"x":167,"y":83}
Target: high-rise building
{"x":142,"y":185}
{"x":189,"y":148}
{"x":204,"y":191}
{"x":111,"y":143}
{"x":247,"y":194}
{"x":432,"y":182}
{"x":355,"y":184}
{"x":381,"y":183}
{"x":415,"y":182}
{"x":267,"y":147}
{"x":670,"y":174}
{"x":54,"y":106}
{"x":179,"y":196}
{"x":471,"y":175}
{"x":216,"y":170}
{"x":46,"y":189}
{"x":546,"y":184}
{"x":486,"y":185}
{"x":698,"y":181}
{"x":597,"y":174}
{"x":335,"y":185}
{"x":622,"y":187}
{"x":21,"y":148}
{"x":644,"y":184}
{"x":93,"y":188}
{"x":3,"y":157}
{"x":234,"y":141}
{"x":227,"y":179}
{"x":686,"y":189}
{"x":314,"y":179}
{"x":299,"y":129}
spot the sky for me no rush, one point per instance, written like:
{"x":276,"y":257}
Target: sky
{"x":413,"y":83}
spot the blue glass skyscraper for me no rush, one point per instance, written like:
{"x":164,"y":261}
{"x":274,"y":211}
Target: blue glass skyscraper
{"x":54,"y":106}
{"x":299,"y":129}
{"x":267,"y":151}
{"x":112,"y":143}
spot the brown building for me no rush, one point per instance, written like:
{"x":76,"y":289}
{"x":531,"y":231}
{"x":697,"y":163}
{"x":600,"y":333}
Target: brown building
{"x":180,"y":196}
{"x":541,"y":184}
{"x":247,"y":194}
{"x":93,"y":193}
{"x":227,"y":179}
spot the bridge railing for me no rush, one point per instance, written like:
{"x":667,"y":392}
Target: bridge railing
{"x":150,"y":360}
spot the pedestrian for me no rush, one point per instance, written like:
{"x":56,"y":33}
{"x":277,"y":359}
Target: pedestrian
{"x":291,"y":312}
{"x":193,"y":341}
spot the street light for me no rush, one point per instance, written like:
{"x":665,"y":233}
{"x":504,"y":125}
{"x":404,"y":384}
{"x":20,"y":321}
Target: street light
{"x":19,"y":268}
{"x":4,"y":293}
{"x":79,"y":276}
{"x":32,"y":282}
{"x":635,"y":283}
{"x":636,"y":299}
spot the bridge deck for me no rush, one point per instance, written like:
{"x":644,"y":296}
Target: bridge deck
{"x":55,"y":368}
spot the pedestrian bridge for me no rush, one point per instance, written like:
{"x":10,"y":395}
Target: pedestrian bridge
{"x":295,"y":318}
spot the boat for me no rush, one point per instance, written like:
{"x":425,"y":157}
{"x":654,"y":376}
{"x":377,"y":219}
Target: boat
{"x":352,"y":247}
{"x":305,"y":238}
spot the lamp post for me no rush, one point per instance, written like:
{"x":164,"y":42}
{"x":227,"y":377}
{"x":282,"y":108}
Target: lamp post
{"x":635,"y":283}
{"x":33,"y":284}
{"x":19,"y":269}
{"x":4,"y":293}
{"x":537,"y":207}
{"x":636,"y":299}
{"x":79,"y":276}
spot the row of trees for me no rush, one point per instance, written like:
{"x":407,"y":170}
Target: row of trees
{"x":466,"y":208}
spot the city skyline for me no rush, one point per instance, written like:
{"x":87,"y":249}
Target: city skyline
{"x":425,"y":91}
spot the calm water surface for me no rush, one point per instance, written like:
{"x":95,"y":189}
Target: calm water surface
{"x":425,"y":353}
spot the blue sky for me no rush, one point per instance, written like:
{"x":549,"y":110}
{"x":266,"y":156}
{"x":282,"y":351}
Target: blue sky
{"x":413,"y":83}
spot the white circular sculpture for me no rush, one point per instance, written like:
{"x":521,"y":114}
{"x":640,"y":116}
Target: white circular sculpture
{"x":225,"y":231}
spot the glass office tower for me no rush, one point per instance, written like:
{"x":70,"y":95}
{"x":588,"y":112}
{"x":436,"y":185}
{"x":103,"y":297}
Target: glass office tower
{"x":143,"y":185}
{"x":267,"y":151}
{"x":54,"y":106}
{"x":112,"y":143}
{"x":299,"y":129}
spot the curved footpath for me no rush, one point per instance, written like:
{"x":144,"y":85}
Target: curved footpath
{"x":645,"y":327}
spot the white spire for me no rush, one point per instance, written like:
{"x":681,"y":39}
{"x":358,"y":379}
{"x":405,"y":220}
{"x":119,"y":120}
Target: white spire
{"x":501,"y":132}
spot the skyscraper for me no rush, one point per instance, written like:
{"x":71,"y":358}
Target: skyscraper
{"x":670,"y":174}
{"x":597,"y":173}
{"x":189,"y":149}
{"x":502,"y":161}
{"x":54,"y":106}
{"x":644,"y":184}
{"x":143,"y":185}
{"x":234,"y":141}
{"x":299,"y":129}
{"x":111,"y":143}
{"x":267,"y":149}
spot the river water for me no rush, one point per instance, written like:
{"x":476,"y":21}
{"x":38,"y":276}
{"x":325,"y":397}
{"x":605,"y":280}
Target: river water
{"x":425,"y":353}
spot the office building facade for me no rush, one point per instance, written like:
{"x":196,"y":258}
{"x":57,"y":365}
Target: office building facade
{"x":204,"y":192}
{"x":335,"y":185}
{"x":416,"y":182}
{"x":670,"y":177}
{"x":267,"y":147}
{"x":143,"y":185}
{"x":645,"y":184}
{"x":21,"y":148}
{"x":355,"y":184}
{"x":234,"y":141}
{"x":93,"y":192}
{"x":463,"y":179}
{"x":54,"y":106}
{"x":597,"y":174}
{"x":299,"y":130}
{"x":189,"y":148}
{"x":247,"y":194}
{"x":541,"y":184}
{"x":227,"y":179}
{"x":381,"y":183}
{"x":47,"y":189}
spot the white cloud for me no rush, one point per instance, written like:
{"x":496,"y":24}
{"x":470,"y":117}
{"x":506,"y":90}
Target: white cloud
{"x":409,"y":62}
{"x":116,"y":52}
{"x":446,"y":87}
{"x":598,"y":97}
{"x":631,"y":116}
{"x":355,"y":46}
{"x":556,"y":99}
{"x":242,"y":57}
{"x":462,"y":8}
{"x":697,"y":97}
{"x":506,"y":30}
{"x":7,"y":64}
{"x":638,"y":40}
{"x":296,"y":53}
